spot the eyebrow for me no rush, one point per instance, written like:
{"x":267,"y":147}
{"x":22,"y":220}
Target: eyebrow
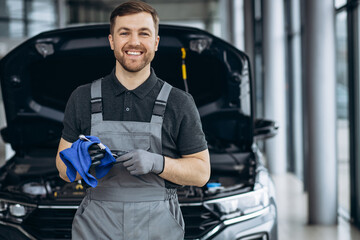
{"x":128,"y":29}
{"x":144,"y":29}
{"x":123,"y":28}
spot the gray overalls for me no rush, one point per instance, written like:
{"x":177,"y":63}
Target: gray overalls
{"x":123,"y":206}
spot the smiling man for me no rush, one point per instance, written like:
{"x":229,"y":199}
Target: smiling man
{"x":134,"y":47}
{"x":157,"y":125}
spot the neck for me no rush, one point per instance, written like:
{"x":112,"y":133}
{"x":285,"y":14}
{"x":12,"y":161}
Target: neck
{"x":131,"y":80}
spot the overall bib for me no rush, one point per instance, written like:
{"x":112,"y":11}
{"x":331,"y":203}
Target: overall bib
{"x":123,"y":206}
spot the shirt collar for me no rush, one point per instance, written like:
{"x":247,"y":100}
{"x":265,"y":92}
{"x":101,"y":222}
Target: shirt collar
{"x":117,"y":86}
{"x":141,"y":91}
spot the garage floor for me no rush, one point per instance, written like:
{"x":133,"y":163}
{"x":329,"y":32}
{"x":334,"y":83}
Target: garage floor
{"x":292,"y":211}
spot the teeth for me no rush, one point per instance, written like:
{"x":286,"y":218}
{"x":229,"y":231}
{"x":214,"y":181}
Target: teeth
{"x":133,"y":53}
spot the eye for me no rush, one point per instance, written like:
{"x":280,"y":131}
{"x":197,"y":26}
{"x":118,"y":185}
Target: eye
{"x":144,"y":34}
{"x":124,"y":33}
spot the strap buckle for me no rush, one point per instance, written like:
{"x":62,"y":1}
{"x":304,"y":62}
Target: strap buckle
{"x":96,"y":105}
{"x":159,"y":108}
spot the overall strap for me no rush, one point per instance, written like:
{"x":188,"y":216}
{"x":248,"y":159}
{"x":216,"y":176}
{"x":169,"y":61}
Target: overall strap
{"x":160,"y":104}
{"x":96,"y":101}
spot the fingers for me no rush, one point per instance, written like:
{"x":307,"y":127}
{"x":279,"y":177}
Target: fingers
{"x":95,"y":152}
{"x":133,"y":162}
{"x":131,"y":167}
{"x":136,"y":173}
{"x":94,"y":148}
{"x":97,"y":156}
{"x":125,"y":157}
{"x":92,"y":151}
{"x":128,"y":163}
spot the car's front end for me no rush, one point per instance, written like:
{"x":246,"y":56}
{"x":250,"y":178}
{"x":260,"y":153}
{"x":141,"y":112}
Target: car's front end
{"x":229,"y":207}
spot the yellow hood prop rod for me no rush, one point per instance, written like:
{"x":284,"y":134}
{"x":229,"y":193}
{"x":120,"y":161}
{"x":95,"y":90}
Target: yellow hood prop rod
{"x":183,"y":67}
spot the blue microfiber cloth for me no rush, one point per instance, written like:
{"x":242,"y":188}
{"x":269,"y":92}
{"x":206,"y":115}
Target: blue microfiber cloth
{"x":77,"y":159}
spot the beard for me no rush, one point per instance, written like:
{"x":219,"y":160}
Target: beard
{"x":132,"y":65}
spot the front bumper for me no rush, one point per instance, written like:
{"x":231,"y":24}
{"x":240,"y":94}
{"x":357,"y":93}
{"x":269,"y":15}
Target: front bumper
{"x":261,"y":225}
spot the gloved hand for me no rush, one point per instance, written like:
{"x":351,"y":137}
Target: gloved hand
{"x":139,"y":162}
{"x":96,"y":154}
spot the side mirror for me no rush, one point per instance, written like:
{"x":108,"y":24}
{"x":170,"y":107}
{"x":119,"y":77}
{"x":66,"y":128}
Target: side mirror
{"x":265,"y":129}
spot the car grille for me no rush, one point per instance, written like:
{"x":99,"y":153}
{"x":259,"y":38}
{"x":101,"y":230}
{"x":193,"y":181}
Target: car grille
{"x":50,"y":223}
{"x":56,"y":223}
{"x":198,"y":221}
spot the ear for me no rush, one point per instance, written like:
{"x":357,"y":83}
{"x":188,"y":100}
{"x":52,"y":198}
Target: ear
{"x":157,"y":43}
{"x":111,"y":41}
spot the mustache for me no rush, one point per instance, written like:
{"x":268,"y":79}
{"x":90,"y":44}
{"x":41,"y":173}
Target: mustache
{"x":133,"y":47}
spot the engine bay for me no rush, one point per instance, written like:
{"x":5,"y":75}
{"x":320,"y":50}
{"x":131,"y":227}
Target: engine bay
{"x":22,"y":178}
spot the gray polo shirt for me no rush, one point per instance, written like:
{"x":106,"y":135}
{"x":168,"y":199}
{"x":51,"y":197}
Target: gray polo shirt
{"x":182,"y":133}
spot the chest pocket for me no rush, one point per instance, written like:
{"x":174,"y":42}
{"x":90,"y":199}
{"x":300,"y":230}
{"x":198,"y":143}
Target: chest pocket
{"x":125,"y":141}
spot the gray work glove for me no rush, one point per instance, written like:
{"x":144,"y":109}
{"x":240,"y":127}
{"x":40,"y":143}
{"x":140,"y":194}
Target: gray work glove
{"x":139,"y":162}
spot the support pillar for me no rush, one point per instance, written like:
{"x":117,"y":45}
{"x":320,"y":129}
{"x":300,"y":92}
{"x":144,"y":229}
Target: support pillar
{"x":320,"y":107}
{"x":274,"y":82}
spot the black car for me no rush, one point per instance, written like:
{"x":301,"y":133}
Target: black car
{"x":37,"y":78}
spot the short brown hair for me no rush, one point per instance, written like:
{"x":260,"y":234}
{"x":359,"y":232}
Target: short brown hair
{"x":133,"y":7}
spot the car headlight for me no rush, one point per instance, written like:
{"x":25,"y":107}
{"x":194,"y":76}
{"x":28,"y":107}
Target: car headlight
{"x":17,"y":210}
{"x":14,"y":211}
{"x":242,"y":204}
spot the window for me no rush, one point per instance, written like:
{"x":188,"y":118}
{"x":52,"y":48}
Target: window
{"x":22,"y":18}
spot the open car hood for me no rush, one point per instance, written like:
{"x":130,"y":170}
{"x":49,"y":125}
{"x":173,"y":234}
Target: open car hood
{"x":38,"y":77}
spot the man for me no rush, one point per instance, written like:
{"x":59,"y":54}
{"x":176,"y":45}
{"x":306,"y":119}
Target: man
{"x":158,"y":126}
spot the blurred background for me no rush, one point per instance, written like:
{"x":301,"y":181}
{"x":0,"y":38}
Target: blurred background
{"x":305,"y":61}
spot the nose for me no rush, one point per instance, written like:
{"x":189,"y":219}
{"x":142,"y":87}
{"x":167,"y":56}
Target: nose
{"x":134,"y":40}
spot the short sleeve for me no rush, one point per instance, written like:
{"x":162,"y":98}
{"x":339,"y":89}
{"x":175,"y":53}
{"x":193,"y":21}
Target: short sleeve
{"x":191,"y":138}
{"x":71,"y":129}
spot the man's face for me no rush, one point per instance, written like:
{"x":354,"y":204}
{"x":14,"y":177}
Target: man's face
{"x":134,"y":41}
